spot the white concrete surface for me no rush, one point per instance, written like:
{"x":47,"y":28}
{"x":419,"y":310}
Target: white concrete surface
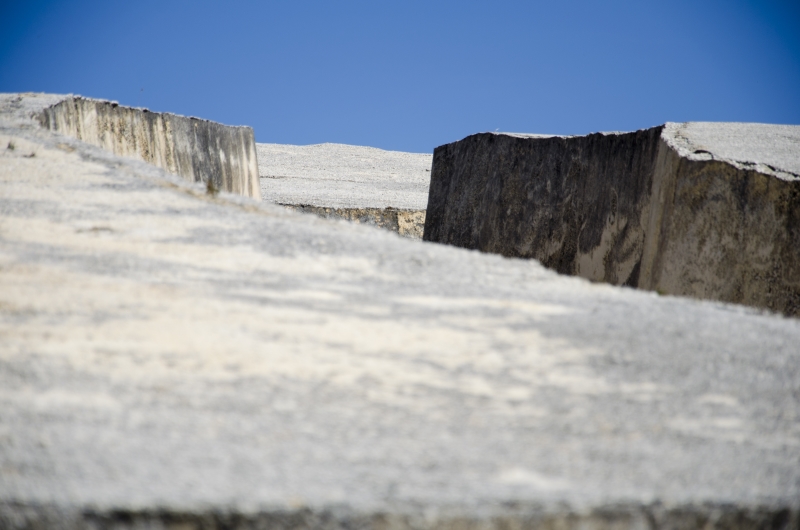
{"x":173,"y":359}
{"x":766,"y":148}
{"x":343,"y":176}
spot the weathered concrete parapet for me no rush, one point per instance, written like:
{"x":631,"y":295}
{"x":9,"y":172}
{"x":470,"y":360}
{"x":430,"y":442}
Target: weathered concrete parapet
{"x":222,"y":156}
{"x":709,"y":210}
{"x":556,"y":199}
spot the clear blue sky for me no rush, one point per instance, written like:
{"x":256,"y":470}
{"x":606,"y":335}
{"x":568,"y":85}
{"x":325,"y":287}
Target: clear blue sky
{"x":411,"y":75}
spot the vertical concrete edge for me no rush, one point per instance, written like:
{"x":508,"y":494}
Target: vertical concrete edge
{"x":222,"y":156}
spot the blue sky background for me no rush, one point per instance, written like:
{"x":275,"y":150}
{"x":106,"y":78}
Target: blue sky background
{"x":413,"y":75}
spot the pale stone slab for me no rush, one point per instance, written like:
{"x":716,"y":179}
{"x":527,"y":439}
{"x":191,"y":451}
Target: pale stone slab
{"x":365,"y":185}
{"x":343,"y":176}
{"x":770,"y":149}
{"x":170,"y":358}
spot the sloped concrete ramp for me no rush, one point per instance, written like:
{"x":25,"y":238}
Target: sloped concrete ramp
{"x":170,"y":358}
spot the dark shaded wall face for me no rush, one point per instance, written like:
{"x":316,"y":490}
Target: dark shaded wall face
{"x":625,"y":209}
{"x":562,"y":201}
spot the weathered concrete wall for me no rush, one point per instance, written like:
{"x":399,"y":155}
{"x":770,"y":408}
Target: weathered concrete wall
{"x":639,"y":209}
{"x":722,"y":230}
{"x":365,"y":185}
{"x":222,"y":156}
{"x":555,"y":199}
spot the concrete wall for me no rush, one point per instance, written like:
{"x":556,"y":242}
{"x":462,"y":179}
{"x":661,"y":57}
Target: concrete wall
{"x":221,"y":156}
{"x":627,"y":209}
{"x":722,"y":232}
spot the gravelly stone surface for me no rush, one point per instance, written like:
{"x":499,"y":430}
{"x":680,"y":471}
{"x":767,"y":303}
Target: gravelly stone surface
{"x":170,"y":358}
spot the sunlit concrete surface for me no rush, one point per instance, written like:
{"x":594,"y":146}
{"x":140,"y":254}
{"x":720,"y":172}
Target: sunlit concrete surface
{"x":366,"y":185}
{"x":173,"y":358}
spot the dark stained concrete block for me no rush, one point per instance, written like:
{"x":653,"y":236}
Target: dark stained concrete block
{"x":697,"y":209}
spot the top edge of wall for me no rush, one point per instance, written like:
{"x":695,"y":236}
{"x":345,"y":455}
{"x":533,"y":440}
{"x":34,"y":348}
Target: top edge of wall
{"x":31,"y":104}
{"x":771,"y":149}
{"x":538,"y":136}
{"x":115,"y":103}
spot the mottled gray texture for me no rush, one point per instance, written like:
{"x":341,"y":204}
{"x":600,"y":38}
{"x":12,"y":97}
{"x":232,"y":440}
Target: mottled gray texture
{"x":698,"y":209}
{"x":174,"y":359}
{"x":220,"y":156}
{"x":407,"y":223}
{"x":388,"y":189}
{"x":770,"y":149}
{"x":343,"y":176}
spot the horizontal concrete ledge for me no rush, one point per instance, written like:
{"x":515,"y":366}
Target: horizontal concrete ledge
{"x":511,"y":515}
{"x":222,"y":157}
{"x":707,"y":210}
{"x":388,"y":189}
{"x":407,"y":223}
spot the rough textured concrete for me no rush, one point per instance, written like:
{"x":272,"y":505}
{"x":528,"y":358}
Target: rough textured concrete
{"x":709,"y":210}
{"x":407,"y":223}
{"x":170,"y":358}
{"x":220,"y":156}
{"x":388,"y":189}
